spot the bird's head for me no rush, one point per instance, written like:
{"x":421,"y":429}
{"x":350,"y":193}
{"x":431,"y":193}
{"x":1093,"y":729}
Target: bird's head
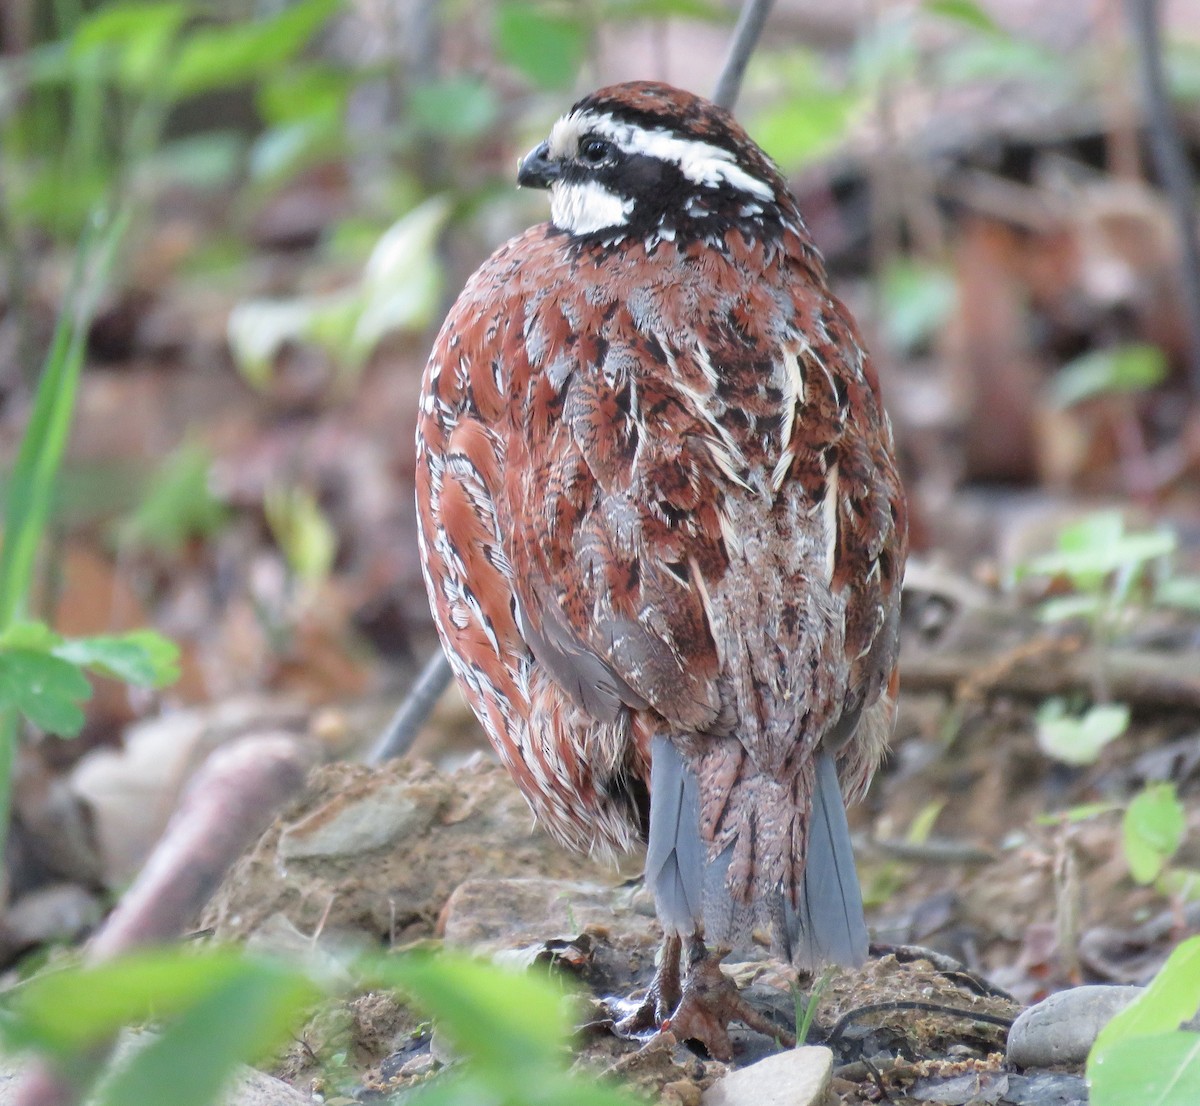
{"x":644,"y":158}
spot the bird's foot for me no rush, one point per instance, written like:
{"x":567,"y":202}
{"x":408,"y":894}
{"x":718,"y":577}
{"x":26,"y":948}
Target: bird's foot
{"x":710,"y":1001}
{"x":663,"y":995}
{"x":702,"y":1007}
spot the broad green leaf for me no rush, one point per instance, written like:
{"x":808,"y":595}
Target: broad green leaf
{"x":138,"y":37}
{"x":1079,"y":739}
{"x":1122,"y":369}
{"x":546,"y":46}
{"x":238,"y":53}
{"x":402,"y":278}
{"x":1170,"y":999}
{"x":1154,"y":826}
{"x":1160,"y":1070}
{"x":1096,"y":546}
{"x":139,"y":657}
{"x":918,"y":300}
{"x":804,"y":126}
{"x":34,"y":636}
{"x":476,"y":1003}
{"x":178,"y":505}
{"x":240,"y":1020}
{"x":72,"y":1009}
{"x":45,"y":689}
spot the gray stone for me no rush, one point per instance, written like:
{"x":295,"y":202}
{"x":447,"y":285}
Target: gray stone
{"x":798,"y":1077}
{"x":1061,"y":1029}
{"x":350,"y":826}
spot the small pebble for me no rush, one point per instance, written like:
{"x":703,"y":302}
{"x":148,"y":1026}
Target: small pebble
{"x":798,"y":1077}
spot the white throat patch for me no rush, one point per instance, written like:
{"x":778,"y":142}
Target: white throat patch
{"x":584,"y":207}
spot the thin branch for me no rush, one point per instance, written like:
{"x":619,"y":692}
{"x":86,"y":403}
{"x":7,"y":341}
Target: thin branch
{"x":406,"y":723}
{"x":745,"y":38}
{"x":1171,"y":162}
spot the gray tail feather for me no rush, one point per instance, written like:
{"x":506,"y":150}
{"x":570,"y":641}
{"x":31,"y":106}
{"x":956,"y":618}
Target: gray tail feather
{"x":828,"y":926}
{"x":675,"y":855}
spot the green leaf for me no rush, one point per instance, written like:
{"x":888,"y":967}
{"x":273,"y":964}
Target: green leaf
{"x":70,"y":1010}
{"x":474,"y":1003}
{"x":966,"y":12}
{"x":178,"y":505}
{"x":1140,"y":1056}
{"x":1154,"y":826}
{"x":1079,"y":739}
{"x":1170,"y":999}
{"x":137,"y":38}
{"x":45,"y":689}
{"x":546,"y":46}
{"x":805,"y":127}
{"x":918,"y":300}
{"x":302,"y":532}
{"x":1120,"y":370}
{"x":239,"y":53}
{"x":140,"y":657}
{"x":1160,"y":1070}
{"x":45,"y":437}
{"x":241,"y":1019}
{"x":1096,"y":546}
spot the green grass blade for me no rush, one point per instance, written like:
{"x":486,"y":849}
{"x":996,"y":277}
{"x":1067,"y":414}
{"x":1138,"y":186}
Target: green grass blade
{"x":32,"y":485}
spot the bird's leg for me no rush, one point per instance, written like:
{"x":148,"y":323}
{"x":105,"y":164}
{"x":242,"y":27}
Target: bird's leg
{"x":710,"y":1001}
{"x":663,"y":994}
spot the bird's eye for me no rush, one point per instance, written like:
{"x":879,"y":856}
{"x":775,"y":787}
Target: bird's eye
{"x":594,"y":151}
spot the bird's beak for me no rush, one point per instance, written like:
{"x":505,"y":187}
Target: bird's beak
{"x":537,"y":168}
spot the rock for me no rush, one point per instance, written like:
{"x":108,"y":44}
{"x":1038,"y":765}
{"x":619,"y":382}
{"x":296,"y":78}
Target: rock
{"x":1061,"y":1029}
{"x":58,"y":912}
{"x":378,"y":851}
{"x":798,"y":1077}
{"x":352,"y":824}
{"x":1046,"y":1088}
{"x":492,"y":914}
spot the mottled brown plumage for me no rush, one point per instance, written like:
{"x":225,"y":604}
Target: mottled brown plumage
{"x":660,"y":518}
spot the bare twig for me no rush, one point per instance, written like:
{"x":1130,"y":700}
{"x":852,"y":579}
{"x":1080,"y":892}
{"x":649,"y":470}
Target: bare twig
{"x":745,"y":38}
{"x":406,"y":723}
{"x":1141,"y":679}
{"x":1170,"y":161}
{"x":227,"y":806}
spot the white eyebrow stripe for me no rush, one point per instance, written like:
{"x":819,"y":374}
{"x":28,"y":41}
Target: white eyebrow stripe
{"x":700,"y":162}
